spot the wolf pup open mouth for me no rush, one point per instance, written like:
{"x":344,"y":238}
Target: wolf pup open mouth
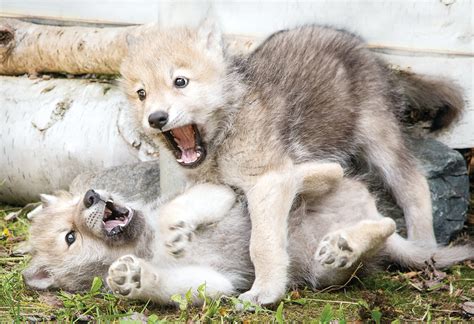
{"x":116,"y":218}
{"x":187,"y":145}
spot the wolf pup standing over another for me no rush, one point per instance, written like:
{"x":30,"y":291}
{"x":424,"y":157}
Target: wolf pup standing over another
{"x":305,"y":95}
{"x":334,"y":230}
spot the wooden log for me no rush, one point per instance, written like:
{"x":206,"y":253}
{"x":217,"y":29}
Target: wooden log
{"x":32,"y":48}
{"x":50,"y":131}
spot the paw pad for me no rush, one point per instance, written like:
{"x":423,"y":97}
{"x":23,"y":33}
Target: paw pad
{"x":125,"y":276}
{"x":335,"y":251}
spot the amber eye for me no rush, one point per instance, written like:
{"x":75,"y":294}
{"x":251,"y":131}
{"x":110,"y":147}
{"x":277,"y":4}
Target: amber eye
{"x":181,"y":82}
{"x":141,"y":94}
{"x":70,"y":237}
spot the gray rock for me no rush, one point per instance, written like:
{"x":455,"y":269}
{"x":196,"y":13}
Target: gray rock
{"x":447,"y":176}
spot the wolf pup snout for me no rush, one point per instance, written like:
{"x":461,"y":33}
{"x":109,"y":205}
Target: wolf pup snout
{"x":158,"y":119}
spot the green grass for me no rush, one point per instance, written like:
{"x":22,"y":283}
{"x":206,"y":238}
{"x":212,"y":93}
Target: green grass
{"x":383,"y":297}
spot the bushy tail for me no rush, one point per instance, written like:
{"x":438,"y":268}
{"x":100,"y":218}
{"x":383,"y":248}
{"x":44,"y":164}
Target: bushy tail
{"x":428,"y":100}
{"x":412,"y":254}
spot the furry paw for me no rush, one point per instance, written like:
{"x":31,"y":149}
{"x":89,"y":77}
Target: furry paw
{"x":262,"y":297}
{"x":177,"y":236}
{"x":337,"y":251}
{"x":125,"y":276}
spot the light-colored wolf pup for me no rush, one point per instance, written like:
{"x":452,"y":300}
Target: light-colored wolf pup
{"x":333,"y":229}
{"x":308,"y":94}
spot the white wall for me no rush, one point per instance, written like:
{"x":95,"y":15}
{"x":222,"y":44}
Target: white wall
{"x":428,"y":36}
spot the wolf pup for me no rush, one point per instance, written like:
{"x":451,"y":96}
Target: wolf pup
{"x":305,"y":95}
{"x":334,"y":229}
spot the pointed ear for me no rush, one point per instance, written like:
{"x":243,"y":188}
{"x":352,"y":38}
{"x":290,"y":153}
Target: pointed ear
{"x":48,"y":200}
{"x":23,"y":248}
{"x":37,"y":278}
{"x":210,"y":35}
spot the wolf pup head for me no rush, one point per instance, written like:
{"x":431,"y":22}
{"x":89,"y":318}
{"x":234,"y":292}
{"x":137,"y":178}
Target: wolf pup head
{"x":178,"y":85}
{"x":73,"y":238}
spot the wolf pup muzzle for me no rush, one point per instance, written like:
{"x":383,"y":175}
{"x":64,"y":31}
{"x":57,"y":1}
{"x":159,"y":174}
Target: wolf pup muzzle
{"x":115,"y":218}
{"x":186,"y":144}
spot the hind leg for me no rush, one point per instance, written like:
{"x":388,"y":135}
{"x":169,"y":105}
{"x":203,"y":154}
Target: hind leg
{"x":317,"y":178}
{"x":344,"y":248}
{"x":386,"y":151}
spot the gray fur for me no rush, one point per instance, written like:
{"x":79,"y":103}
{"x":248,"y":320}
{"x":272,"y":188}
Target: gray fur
{"x":312,"y":93}
{"x":134,"y":181}
{"x":222,"y":246}
{"x":307,"y":94}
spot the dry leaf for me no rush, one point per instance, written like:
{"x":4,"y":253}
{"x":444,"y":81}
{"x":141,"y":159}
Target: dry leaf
{"x":50,"y":299}
{"x":468,"y":307}
{"x":429,"y":278}
{"x":410,"y":274}
{"x":12,"y":216}
{"x":295,"y":294}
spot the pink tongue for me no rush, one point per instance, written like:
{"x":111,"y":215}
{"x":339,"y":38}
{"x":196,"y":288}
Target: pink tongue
{"x":111,"y":224}
{"x":189,"y":155}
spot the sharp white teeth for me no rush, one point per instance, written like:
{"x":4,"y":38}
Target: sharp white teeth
{"x":198,"y":154}
{"x":180,"y":160}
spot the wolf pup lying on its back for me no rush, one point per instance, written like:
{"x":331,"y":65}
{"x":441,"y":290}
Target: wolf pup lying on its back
{"x":308,"y":94}
{"x":333,"y":228}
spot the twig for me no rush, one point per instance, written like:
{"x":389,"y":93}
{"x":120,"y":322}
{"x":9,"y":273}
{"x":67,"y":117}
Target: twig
{"x":332,"y":301}
{"x":338,"y":287}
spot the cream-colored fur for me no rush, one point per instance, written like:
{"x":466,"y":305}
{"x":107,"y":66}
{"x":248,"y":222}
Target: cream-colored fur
{"x":311,"y":93}
{"x":202,"y":236}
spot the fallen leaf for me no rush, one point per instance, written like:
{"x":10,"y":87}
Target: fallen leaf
{"x":50,"y":299}
{"x":458,"y":292}
{"x":468,"y":307}
{"x":470,"y":219}
{"x":6,"y":233}
{"x":12,"y":216}
{"x":135,"y":318}
{"x":410,"y":274}
{"x":84,"y":318}
{"x":295,"y":294}
{"x":469,"y":264}
{"x":429,"y":279}
{"x":223,"y":311}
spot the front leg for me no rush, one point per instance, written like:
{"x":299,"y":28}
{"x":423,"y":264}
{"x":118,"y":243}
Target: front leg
{"x":201,"y":204}
{"x":135,"y":278}
{"x":269,"y":204}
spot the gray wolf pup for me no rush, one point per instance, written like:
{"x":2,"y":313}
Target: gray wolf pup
{"x":305,"y":95}
{"x":334,"y":227}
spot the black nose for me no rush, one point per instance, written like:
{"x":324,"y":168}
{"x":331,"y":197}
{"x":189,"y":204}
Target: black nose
{"x":90,"y":198}
{"x":158,"y":119}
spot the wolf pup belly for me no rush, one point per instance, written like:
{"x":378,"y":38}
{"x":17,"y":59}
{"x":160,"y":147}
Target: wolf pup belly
{"x":305,"y":95}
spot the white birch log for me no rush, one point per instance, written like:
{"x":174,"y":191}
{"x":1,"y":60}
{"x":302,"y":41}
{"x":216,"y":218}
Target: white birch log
{"x":32,"y":48}
{"x":50,"y":131}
